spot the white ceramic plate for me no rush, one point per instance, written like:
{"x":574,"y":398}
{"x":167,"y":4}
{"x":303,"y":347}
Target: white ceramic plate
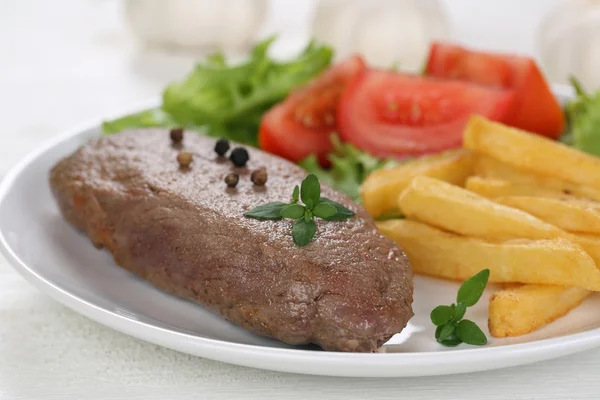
{"x":62,"y":263}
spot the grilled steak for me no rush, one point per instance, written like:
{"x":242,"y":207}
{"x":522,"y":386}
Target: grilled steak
{"x":182,"y":229}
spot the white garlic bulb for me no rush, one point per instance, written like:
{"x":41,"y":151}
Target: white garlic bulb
{"x":386,"y":32}
{"x":195,"y":23}
{"x":569,"y":43}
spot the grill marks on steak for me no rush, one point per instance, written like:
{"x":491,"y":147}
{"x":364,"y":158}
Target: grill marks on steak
{"x":350,"y":289}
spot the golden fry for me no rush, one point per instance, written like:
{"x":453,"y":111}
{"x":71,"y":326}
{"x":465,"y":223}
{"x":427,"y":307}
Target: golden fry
{"x":590,"y":243}
{"x":381,"y":189}
{"x":569,"y":214}
{"x":457,"y":210}
{"x":492,"y":188}
{"x":510,"y":285}
{"x":520,"y":310}
{"x":434,"y":252}
{"x":531,"y":152}
{"x":488,"y":167}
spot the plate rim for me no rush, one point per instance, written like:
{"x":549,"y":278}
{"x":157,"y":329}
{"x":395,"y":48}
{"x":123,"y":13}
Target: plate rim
{"x":302,"y":361}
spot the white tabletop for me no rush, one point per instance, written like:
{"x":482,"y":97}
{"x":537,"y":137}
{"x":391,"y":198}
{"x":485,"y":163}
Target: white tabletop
{"x":66,"y":61}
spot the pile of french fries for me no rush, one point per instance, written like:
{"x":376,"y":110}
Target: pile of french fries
{"x":525,"y":207}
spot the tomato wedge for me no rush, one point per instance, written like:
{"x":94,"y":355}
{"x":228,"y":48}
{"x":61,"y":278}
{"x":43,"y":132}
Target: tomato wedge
{"x":395,"y":115}
{"x":536,"y":108}
{"x":302,"y":124}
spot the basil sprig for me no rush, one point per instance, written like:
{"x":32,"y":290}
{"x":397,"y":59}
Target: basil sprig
{"x":452,"y":329}
{"x":304,"y":228}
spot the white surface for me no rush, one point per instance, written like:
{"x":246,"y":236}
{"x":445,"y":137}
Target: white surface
{"x":67,"y":267}
{"x":54,"y":55}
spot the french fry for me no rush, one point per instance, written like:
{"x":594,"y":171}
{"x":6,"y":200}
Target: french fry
{"x":457,"y":210}
{"x":492,"y":188}
{"x":434,"y":252}
{"x":510,"y":285}
{"x":531,"y":152}
{"x":489,"y":167}
{"x":380,"y":190}
{"x":590,"y":243}
{"x":520,"y":310}
{"x":569,"y":214}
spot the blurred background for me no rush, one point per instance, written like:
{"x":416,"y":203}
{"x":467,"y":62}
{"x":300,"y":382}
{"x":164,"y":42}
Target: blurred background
{"x":67,"y":61}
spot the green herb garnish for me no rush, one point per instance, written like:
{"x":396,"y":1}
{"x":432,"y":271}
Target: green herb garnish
{"x":143,"y":119}
{"x":584,"y":119}
{"x":304,"y":228}
{"x":452,"y":329}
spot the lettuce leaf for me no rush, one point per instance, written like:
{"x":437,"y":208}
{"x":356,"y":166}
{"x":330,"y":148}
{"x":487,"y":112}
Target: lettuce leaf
{"x":584,"y":119}
{"x":349,"y":167}
{"x":143,"y":119}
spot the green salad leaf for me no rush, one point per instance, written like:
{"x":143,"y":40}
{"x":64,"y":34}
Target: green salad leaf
{"x":584,"y":119}
{"x":349,"y":167}
{"x":226,"y":100}
{"x":144,"y":119}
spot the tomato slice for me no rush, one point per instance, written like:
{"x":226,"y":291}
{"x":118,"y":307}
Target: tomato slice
{"x":395,"y":115}
{"x":302,"y":124}
{"x":536,"y":108}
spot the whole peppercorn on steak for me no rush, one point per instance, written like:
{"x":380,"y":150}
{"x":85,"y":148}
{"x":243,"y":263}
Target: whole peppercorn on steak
{"x":182,"y":229}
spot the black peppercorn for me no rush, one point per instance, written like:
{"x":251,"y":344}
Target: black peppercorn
{"x":259,"y":177}
{"x":176,"y":135}
{"x":239,"y":156}
{"x":184,"y":158}
{"x":232,"y":180}
{"x":222,"y":147}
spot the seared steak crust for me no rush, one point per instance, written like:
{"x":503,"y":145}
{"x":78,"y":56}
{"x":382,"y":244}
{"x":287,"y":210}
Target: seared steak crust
{"x":350,"y":289}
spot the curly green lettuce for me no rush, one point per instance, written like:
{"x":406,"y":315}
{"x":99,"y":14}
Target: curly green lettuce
{"x":584,"y":119}
{"x":349,"y":167}
{"x":143,"y":119}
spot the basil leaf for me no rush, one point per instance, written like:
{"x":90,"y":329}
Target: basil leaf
{"x":342,"y":213}
{"x":303,"y":231}
{"x":438,"y":331}
{"x":471,"y":290}
{"x":441,"y":315}
{"x":452,"y":341}
{"x":324,"y":210}
{"x":307,"y":216}
{"x":459,"y":311}
{"x":310,"y":190}
{"x":296,"y":194}
{"x":293,"y":211}
{"x":270,"y":211}
{"x":469,"y":332}
{"x":445,"y":332}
